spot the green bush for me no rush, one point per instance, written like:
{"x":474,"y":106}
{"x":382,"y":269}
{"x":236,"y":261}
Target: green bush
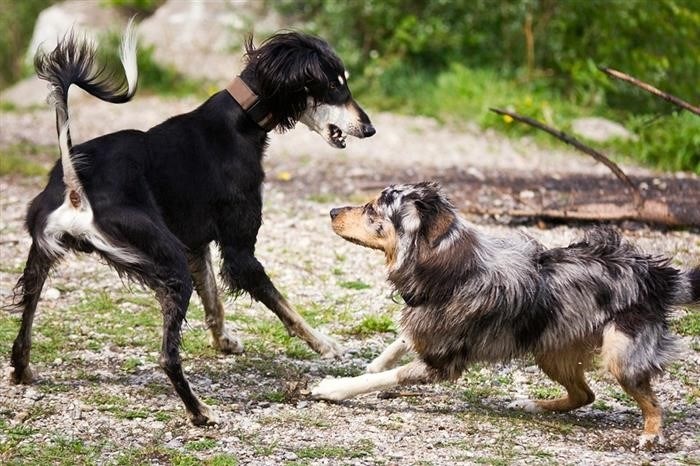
{"x":16,"y":27}
{"x":455,"y":58}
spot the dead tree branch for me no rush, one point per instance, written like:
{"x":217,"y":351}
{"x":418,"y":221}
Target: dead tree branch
{"x":650,"y":89}
{"x":562,"y":136}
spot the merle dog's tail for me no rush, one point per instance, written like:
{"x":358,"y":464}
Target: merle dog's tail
{"x":689,"y":290}
{"x":73,"y":61}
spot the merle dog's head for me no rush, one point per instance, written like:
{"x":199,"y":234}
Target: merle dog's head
{"x":299,"y":78}
{"x":416,"y":217}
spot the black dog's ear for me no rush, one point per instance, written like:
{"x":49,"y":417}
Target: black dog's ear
{"x":289,"y":68}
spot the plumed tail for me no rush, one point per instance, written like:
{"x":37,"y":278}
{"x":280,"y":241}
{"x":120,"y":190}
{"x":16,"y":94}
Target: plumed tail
{"x":73,"y":61}
{"x":689,"y":289}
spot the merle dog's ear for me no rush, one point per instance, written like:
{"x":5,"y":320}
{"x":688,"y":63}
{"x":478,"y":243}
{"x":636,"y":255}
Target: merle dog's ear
{"x":289,"y":68}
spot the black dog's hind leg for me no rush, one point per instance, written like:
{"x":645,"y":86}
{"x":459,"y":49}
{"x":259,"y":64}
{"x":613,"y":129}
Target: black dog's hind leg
{"x":242,"y":271}
{"x":29,"y":286}
{"x":163,"y":267}
{"x":205,"y":284}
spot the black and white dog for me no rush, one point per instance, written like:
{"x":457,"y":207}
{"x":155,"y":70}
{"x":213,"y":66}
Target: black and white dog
{"x":471,"y":297}
{"x":150,"y":203}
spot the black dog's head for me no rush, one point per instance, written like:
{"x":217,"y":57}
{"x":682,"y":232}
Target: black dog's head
{"x":299,"y":78}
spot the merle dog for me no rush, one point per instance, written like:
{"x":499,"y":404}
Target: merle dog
{"x":150,"y":203}
{"x":471,"y":297}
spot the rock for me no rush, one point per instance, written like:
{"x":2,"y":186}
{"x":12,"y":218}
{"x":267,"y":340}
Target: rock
{"x":30,"y":92}
{"x":90,"y":18}
{"x":600,"y":129}
{"x":204,"y":39}
{"x":52,"y":294}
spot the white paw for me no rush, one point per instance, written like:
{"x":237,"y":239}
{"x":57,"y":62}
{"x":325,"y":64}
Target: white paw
{"x":207,"y":417}
{"x":375,"y":367}
{"x":328,"y":348}
{"x":332,"y":389}
{"x":647,"y":441}
{"x":529,"y":406}
{"x":227,"y":343}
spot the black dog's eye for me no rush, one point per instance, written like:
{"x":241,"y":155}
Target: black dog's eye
{"x":334,"y":85}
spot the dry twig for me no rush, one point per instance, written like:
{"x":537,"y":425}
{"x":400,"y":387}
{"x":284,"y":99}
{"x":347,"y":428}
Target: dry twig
{"x":562,"y":136}
{"x":650,"y":89}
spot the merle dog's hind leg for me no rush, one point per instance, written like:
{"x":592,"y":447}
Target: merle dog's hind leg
{"x":29,"y":288}
{"x":567,"y":367}
{"x":205,"y":284}
{"x":163,"y":267}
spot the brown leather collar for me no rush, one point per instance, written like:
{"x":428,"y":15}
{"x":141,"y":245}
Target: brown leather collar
{"x":250,"y":103}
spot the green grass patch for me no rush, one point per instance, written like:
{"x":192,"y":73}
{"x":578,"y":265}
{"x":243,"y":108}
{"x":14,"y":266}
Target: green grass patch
{"x":23,"y":159}
{"x":355,"y":285}
{"x":546,"y":393}
{"x":358,"y":450}
{"x":688,"y":325}
{"x":58,"y":451}
{"x":200,"y":445}
{"x":372,"y":324}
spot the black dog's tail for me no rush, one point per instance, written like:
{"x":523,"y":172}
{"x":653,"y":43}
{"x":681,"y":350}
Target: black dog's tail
{"x":73,"y":61}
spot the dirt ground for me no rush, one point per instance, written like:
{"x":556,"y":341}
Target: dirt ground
{"x":100,"y":398}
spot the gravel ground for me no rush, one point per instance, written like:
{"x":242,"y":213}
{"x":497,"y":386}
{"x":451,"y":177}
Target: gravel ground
{"x":101,"y":398}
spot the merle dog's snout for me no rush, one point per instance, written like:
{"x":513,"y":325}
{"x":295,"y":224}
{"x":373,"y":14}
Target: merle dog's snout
{"x":367,"y":131}
{"x":334,"y":213}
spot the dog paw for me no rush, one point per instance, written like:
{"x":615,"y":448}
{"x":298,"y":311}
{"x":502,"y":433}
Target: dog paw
{"x":331,"y":389}
{"x":329,"y":348}
{"x":25,"y":377}
{"x":206,"y":417}
{"x":527,"y":405}
{"x":375,"y":367}
{"x":227,"y":343}
{"x":648,"y":441}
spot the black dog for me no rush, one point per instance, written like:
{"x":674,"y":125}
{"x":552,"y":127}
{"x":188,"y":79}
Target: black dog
{"x":150,"y":203}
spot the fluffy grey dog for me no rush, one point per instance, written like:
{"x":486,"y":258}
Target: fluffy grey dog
{"x":472,"y":297}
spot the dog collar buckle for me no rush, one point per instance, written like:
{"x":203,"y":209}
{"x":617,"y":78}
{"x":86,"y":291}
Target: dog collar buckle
{"x":250,"y":103}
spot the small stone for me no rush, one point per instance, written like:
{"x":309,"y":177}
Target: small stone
{"x":21,"y":416}
{"x":290,"y":456}
{"x":51,"y":294}
{"x":526,"y":194}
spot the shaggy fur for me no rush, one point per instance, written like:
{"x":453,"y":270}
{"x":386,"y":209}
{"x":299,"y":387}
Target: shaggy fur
{"x":150,"y":203}
{"x":472,"y":297}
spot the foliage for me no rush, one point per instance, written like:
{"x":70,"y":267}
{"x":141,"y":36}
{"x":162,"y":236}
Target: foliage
{"x":456,"y":58}
{"x":136,"y":6}
{"x":16,"y":27}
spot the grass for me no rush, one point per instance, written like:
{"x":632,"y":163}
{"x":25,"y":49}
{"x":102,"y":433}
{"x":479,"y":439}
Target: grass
{"x":372,"y":324}
{"x":21,"y":159}
{"x":359,"y":449}
{"x":688,"y":325}
{"x":460,"y":94}
{"x":355,"y":285}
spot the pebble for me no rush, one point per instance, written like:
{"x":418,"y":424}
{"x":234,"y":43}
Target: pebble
{"x":52,"y":294}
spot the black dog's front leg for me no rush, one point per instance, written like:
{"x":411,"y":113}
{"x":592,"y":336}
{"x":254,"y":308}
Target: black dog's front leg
{"x":242,"y":271}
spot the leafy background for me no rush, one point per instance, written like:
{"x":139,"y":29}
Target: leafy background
{"x":452,"y":59}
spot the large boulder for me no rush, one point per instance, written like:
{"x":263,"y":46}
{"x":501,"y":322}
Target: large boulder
{"x":89,"y":18}
{"x":205,"y":39}
{"x":600,"y":129}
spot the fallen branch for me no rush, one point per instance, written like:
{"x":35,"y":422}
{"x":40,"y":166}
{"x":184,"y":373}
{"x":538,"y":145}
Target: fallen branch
{"x":562,"y":136}
{"x":653,"y":212}
{"x":651,"y":89}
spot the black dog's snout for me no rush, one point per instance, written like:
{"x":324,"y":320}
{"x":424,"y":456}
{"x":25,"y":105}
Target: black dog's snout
{"x":334,"y":213}
{"x":367,"y":131}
